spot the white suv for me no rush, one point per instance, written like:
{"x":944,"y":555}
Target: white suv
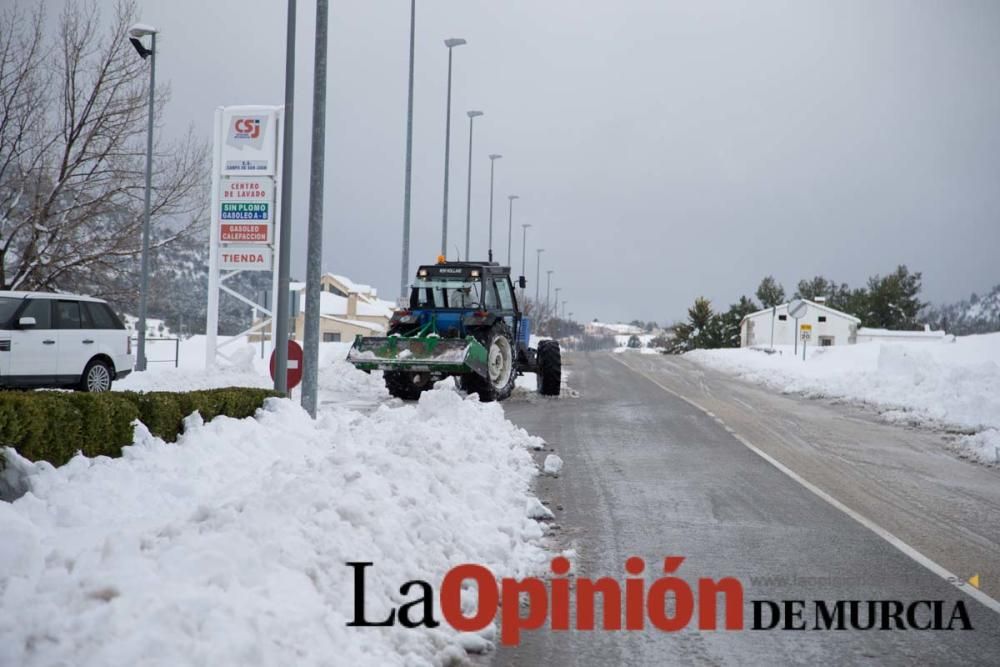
{"x":61,"y":340}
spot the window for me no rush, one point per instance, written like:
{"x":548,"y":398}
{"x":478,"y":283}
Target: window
{"x":822,"y":318}
{"x":506,"y":298}
{"x":100,"y":316}
{"x":329,"y":337}
{"x":8,"y":305}
{"x":490,"y":296}
{"x":68,"y":315}
{"x":41,"y":310}
{"x":445,"y":294}
{"x":782,"y":317}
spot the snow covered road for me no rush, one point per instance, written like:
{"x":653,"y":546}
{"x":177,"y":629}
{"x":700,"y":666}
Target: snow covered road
{"x":647,"y":474}
{"x":229,"y":547}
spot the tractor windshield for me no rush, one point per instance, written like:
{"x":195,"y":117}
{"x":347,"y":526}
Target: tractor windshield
{"x":445,"y":293}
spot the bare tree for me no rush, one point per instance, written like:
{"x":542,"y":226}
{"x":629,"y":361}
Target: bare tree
{"x":73,"y":115}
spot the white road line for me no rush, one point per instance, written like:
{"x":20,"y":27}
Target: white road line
{"x":899,"y":544}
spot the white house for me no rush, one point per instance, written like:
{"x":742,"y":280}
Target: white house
{"x":829,"y":326}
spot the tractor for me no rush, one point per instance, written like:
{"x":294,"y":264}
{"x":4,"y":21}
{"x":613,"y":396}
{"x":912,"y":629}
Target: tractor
{"x":463,"y":320}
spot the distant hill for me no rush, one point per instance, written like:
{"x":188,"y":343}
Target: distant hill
{"x":975,"y":315}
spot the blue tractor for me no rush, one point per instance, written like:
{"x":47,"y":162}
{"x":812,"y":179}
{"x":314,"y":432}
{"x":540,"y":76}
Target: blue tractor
{"x":463,"y":320}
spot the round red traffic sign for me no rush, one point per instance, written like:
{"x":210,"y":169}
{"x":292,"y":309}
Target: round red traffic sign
{"x":294,"y":375}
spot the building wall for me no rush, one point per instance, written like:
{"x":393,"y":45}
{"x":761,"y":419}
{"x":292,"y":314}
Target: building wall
{"x":346,"y":330}
{"x":756,"y":329}
{"x":883,"y":336}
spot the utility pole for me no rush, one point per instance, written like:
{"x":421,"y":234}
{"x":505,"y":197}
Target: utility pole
{"x":548,"y":288}
{"x":281,"y":310}
{"x":524,"y":244}
{"x":468,"y":188}
{"x":314,"y":253}
{"x":405,"y":268}
{"x":451,"y":44}
{"x":510,"y":222}
{"x":493,"y":158}
{"x":538,"y":272}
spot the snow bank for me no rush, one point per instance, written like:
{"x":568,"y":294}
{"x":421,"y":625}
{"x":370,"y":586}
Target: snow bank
{"x":954,"y":385}
{"x":228,"y":547}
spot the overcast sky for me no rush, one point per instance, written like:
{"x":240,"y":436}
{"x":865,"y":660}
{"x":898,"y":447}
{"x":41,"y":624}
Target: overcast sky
{"x":662,"y":150}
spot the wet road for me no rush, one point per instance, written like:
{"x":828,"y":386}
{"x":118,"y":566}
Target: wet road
{"x":648,"y":474}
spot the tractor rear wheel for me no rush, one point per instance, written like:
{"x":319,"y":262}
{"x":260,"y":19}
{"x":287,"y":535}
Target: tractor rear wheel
{"x":407,"y":386}
{"x":501,"y":367}
{"x":549,"y":368}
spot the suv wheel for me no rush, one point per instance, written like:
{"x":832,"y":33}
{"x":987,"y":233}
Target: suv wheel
{"x":96,"y":377}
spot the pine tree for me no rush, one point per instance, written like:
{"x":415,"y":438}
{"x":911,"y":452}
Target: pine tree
{"x":892,"y":300}
{"x":770,"y":292}
{"x":701,"y":331}
{"x":729,"y":322}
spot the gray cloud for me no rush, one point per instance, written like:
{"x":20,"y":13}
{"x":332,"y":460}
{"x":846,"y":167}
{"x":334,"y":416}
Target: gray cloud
{"x":662,"y":150}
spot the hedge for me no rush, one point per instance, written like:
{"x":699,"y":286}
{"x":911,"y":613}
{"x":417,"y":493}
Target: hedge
{"x":54,"y":425}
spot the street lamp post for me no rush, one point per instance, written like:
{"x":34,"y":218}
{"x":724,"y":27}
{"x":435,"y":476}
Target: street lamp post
{"x":405,"y":269}
{"x":451,"y":44}
{"x":524,"y":244}
{"x":510,"y":222}
{"x":493,"y":159}
{"x":564,"y":309}
{"x":137,"y":31}
{"x":468,"y":187}
{"x":538,"y":272}
{"x":555,"y":314}
{"x":548,"y":288}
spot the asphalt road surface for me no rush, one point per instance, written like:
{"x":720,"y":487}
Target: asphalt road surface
{"x":649,"y":474}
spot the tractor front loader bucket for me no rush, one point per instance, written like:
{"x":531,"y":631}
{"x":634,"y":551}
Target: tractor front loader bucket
{"x":429,"y":354}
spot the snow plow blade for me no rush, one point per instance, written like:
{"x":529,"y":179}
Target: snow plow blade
{"x":429,"y":354}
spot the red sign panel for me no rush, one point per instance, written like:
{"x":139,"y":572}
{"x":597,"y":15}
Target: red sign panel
{"x":245,"y":232}
{"x":294,"y":364}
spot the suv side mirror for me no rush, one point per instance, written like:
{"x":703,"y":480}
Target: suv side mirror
{"x":27,"y":323}
{"x":521,"y":282}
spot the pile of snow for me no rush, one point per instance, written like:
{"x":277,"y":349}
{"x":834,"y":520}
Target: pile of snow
{"x":228,"y":547}
{"x":953,"y":384}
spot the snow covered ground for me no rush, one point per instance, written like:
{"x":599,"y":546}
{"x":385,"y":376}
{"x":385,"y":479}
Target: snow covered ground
{"x":229,"y":547}
{"x":953,"y":385}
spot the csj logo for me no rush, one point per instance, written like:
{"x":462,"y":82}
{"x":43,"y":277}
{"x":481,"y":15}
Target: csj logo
{"x":247,"y":131}
{"x":246,"y":128}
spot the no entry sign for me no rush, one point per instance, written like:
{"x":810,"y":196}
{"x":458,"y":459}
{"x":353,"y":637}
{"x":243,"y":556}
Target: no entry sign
{"x":294,"y":364}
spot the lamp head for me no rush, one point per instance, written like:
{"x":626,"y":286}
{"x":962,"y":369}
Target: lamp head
{"x":495,"y":156}
{"x":453,"y":42}
{"x":473,"y":114}
{"x":141,"y":30}
{"x":513,"y":197}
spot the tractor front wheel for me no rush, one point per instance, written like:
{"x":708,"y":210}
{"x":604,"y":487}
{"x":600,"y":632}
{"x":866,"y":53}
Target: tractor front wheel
{"x":407,"y":386}
{"x":501,"y":367}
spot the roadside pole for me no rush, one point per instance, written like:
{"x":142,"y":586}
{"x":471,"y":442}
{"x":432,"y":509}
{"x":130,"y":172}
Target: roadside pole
{"x":774,"y":311}
{"x":281,"y":310}
{"x":314,"y":253}
{"x":796,"y":336}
